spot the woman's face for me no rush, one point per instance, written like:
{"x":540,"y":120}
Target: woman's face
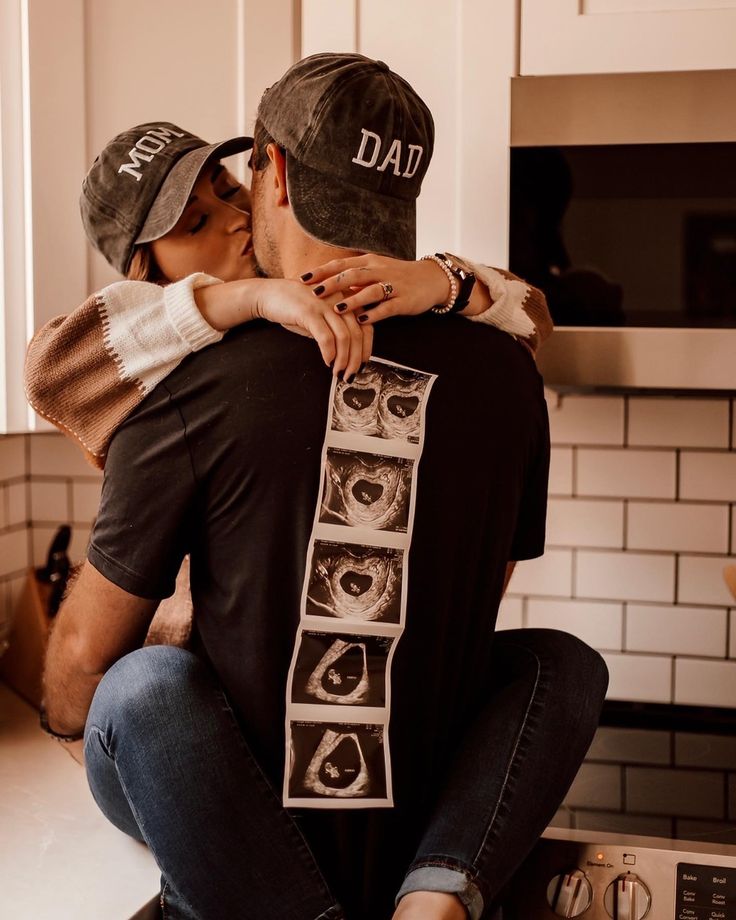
{"x":213,"y":234}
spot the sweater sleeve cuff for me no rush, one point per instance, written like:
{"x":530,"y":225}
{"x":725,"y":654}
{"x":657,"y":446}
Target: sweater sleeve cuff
{"x":507,"y":310}
{"x":184,"y":314}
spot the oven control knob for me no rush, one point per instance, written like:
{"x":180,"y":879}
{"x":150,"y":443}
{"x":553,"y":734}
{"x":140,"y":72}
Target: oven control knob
{"x":569,"y":894}
{"x":627,"y":898}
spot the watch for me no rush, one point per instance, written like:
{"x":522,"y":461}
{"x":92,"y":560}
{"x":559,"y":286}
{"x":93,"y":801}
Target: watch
{"x":465,"y":281}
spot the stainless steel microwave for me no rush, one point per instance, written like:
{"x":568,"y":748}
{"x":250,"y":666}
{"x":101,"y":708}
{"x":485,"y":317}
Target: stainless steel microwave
{"x":623,"y":210}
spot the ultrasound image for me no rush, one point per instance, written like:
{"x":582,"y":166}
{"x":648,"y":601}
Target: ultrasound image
{"x":366,"y":490}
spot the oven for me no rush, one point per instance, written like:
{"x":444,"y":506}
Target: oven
{"x":648,"y":828}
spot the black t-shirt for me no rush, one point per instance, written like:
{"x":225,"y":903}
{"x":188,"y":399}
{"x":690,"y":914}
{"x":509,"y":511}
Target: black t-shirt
{"x":222,"y":460}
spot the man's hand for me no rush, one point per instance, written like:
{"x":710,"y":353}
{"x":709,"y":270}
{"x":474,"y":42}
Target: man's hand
{"x":97,"y":624}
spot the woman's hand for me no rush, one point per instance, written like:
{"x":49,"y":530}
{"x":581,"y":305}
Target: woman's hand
{"x":344,"y":344}
{"x":417,"y":286}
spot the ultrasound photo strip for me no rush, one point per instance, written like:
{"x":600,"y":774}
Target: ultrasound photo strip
{"x":338,"y":698}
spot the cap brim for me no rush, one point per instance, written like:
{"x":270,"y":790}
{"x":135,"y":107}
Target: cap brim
{"x":177,"y":187}
{"x":343,"y":215}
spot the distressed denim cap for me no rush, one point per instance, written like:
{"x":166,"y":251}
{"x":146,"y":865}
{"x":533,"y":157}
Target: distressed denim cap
{"x":358,"y":142}
{"x":139,"y":185}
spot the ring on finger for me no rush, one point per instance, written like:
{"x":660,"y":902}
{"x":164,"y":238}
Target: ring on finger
{"x":387,"y":288}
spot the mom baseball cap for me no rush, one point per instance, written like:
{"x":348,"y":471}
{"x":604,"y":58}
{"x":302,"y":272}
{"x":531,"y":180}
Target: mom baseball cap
{"x":358,"y":142}
{"x":139,"y":185}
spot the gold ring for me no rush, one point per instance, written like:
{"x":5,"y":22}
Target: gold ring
{"x":388,"y":289}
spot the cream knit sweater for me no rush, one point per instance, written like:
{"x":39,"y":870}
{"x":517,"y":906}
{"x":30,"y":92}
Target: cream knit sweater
{"x":88,"y":370}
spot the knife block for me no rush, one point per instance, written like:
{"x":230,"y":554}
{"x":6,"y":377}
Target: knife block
{"x":21,"y":667}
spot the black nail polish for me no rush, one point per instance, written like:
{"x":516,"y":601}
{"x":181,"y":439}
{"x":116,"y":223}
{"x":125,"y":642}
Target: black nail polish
{"x":341,"y":307}
{"x":361,"y":368}
{"x":319,"y":289}
{"x":363,"y":317}
{"x":306,"y":276}
{"x":339,"y":375}
{"x":350,"y":378}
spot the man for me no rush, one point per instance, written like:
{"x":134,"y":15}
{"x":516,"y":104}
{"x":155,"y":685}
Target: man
{"x":185,"y":750}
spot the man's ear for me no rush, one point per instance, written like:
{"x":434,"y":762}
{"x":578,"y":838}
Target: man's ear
{"x":278,"y":158}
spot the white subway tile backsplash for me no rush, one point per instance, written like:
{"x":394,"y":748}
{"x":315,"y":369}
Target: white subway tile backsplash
{"x":50,"y":501}
{"x":560,"y":471}
{"x":510,"y":613}
{"x":672,"y":422}
{"x":595,"y":786}
{"x":43,"y":534}
{"x":587,"y":420}
{"x":85,"y":500}
{"x":17,"y":503}
{"x":625,"y":576}
{"x":708,"y":475}
{"x":55,"y":455}
{"x":705,"y":683}
{"x":627,"y":473}
{"x":79,"y":542}
{"x":695,"y":793}
{"x":700,"y":580}
{"x":12,"y":456}
{"x":629,"y":745}
{"x":639,"y":678}
{"x":676,"y":630}
{"x":677,"y":526}
{"x":13,"y":551}
{"x":598,"y":624}
{"x":585,"y":522}
{"x":550,"y":574}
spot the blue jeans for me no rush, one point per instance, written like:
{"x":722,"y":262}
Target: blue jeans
{"x":168,"y":764}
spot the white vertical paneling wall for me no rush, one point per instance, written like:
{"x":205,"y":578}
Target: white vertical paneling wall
{"x":641,"y":523}
{"x":460,"y":57}
{"x":202,"y":64}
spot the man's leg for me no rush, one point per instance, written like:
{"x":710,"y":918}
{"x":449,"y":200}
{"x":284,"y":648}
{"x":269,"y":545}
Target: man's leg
{"x":168,"y":764}
{"x":512,"y":767}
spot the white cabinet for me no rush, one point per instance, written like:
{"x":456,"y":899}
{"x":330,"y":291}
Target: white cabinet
{"x":626,"y":36}
{"x":460,"y":57}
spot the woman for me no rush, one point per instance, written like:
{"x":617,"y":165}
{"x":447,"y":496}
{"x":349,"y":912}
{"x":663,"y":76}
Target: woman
{"x":184,"y":243}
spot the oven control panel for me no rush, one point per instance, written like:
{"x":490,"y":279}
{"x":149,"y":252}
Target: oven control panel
{"x":705,"y":892}
{"x":616,"y":877}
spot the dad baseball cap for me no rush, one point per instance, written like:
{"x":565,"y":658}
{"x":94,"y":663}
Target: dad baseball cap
{"x":359,"y":140}
{"x":139,"y":185}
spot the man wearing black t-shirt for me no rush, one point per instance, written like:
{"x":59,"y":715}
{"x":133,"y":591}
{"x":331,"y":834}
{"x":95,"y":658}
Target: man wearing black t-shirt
{"x":222,"y":460}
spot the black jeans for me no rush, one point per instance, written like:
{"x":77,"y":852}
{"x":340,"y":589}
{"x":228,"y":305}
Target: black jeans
{"x":168,"y":763}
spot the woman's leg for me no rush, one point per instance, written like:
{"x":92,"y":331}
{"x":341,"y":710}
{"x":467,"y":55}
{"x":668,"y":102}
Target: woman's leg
{"x":168,"y":764}
{"x":513,"y":765}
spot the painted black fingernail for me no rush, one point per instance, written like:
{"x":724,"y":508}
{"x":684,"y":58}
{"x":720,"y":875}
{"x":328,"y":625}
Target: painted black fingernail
{"x":320,"y":289}
{"x":361,"y":368}
{"x":339,"y":375}
{"x":341,"y":307}
{"x":363,"y":317}
{"x":350,"y":378}
{"x":306,"y":276}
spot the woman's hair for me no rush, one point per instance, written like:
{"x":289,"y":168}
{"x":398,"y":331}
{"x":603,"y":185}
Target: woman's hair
{"x":144,"y":267}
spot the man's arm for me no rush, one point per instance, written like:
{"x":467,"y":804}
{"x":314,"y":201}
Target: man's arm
{"x":98,"y":623}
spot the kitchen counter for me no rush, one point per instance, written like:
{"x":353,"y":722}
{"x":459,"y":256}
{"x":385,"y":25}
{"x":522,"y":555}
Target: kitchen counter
{"x":60,"y":859}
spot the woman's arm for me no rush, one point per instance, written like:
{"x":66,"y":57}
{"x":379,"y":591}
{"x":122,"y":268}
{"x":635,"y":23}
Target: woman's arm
{"x":87,"y":371}
{"x":499,"y":298}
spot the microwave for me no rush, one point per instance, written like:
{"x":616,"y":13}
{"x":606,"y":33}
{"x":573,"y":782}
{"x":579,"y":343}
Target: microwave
{"x":628,"y":224}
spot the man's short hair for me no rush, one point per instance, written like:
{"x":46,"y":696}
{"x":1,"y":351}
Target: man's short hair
{"x":358,"y":141}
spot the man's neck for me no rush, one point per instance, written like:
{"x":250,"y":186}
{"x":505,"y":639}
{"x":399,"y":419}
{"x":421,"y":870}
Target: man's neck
{"x":303,"y":254}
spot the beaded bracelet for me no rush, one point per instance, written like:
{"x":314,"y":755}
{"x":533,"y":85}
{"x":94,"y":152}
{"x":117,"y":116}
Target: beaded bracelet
{"x":441,"y":309}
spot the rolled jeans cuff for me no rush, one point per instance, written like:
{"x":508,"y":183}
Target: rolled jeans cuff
{"x":451,"y":881}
